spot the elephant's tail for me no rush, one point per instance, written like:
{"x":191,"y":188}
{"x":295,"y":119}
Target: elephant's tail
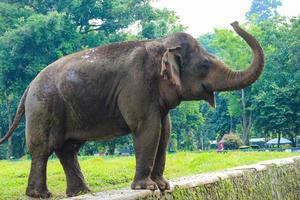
{"x":18,"y":117}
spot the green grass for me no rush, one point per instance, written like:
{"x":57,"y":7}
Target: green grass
{"x":104,"y":173}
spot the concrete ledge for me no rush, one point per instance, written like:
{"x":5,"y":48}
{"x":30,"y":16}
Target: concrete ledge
{"x":194,"y":181}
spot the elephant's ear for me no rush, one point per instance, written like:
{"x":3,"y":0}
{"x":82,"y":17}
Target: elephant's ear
{"x":170,"y":65}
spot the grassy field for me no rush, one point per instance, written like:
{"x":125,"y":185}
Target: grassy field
{"x":103,"y":173}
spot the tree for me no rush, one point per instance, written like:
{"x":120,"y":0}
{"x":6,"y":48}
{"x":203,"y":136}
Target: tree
{"x":278,"y":98}
{"x":262,"y":10}
{"x":186,"y":119}
{"x":217,"y":121}
{"x":166,"y":22}
{"x":12,"y":16}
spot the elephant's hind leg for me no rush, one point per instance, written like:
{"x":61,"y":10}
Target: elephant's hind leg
{"x":68,"y":158}
{"x":37,"y":186}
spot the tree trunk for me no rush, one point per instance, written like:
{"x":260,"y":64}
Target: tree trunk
{"x":278,"y":142}
{"x":189,"y":139}
{"x":293,"y":139}
{"x":230,"y":131}
{"x":9,"y":118}
{"x":246,"y":123}
{"x":200,"y":141}
{"x":178,"y":141}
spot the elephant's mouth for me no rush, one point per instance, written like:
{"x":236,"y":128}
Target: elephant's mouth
{"x":208,"y":96}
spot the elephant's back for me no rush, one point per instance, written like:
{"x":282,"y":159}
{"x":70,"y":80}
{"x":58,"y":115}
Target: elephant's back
{"x":88,"y":82}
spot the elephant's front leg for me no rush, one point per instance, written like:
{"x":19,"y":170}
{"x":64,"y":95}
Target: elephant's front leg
{"x":160,"y":160}
{"x":146,"y":139}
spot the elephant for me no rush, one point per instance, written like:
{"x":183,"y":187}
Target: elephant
{"x":118,"y":89}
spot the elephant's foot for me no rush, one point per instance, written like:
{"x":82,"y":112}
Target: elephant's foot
{"x":144,"y":184}
{"x":38,"y":193}
{"x":162,"y":183}
{"x":77,"y":190}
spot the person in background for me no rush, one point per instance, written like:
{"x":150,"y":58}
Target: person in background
{"x":220,"y":147}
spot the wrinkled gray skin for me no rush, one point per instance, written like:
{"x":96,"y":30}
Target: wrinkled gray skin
{"x":110,"y":91}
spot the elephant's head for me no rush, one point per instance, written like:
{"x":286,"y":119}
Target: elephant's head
{"x":198,"y":74}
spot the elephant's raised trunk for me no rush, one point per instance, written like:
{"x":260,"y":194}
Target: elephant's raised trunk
{"x":234,"y":80}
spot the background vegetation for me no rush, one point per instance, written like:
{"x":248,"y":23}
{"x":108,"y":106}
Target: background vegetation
{"x":35,"y":33}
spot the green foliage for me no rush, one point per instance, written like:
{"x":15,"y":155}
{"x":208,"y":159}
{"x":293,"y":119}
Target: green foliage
{"x":232,"y":141}
{"x":3,"y":151}
{"x":217,"y":121}
{"x":231,"y":48}
{"x":29,"y":48}
{"x":12,"y":16}
{"x":263,"y":9}
{"x":167,"y":23}
{"x":277,"y":99}
{"x":186,"y":121}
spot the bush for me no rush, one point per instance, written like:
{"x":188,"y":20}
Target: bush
{"x":232,"y":141}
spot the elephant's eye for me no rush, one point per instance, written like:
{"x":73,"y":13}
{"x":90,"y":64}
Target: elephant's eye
{"x":205,"y":65}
